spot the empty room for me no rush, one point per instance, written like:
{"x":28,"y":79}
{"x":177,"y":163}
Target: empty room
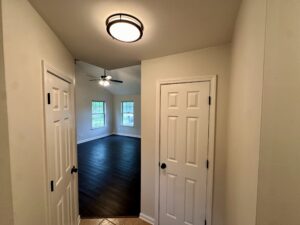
{"x":162,"y":112}
{"x":108,"y":120}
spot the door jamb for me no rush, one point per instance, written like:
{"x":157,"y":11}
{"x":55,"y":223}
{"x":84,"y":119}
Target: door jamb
{"x":211,"y":140}
{"x":47,"y":68}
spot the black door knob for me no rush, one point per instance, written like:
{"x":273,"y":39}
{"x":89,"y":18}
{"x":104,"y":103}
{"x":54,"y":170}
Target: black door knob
{"x":74,"y":170}
{"x":163,"y":166}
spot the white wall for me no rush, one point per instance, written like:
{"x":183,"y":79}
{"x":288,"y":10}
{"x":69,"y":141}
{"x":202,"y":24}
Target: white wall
{"x":118,"y":127}
{"x":28,"y":40}
{"x":210,"y":61}
{"x":279,"y":173}
{"x":6,"y":210}
{"x":244,"y":114}
{"x":86,"y":91}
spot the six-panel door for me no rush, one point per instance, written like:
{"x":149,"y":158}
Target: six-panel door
{"x":59,"y":121}
{"x":184,"y":126}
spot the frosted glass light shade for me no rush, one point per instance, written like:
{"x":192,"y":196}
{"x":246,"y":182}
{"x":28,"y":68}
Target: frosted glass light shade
{"x":124,"y":27}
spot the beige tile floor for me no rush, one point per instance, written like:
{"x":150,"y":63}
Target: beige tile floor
{"x":114,"y":221}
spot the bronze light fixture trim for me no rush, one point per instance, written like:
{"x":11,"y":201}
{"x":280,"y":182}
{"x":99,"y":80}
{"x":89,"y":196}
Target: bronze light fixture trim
{"x":124,"y":27}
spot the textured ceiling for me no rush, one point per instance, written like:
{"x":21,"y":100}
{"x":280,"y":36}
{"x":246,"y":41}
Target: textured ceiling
{"x":171,"y":26}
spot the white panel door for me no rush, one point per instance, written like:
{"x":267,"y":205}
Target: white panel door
{"x":184,"y":130}
{"x":60,"y":150}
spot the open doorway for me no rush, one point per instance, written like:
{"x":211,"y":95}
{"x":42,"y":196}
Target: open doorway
{"x":108,"y":138}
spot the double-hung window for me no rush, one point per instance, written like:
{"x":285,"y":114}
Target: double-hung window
{"x":98,"y":114}
{"x":128,"y":113}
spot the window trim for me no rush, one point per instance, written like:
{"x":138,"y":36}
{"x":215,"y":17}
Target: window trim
{"x":133,"y":113}
{"x":104,"y":114}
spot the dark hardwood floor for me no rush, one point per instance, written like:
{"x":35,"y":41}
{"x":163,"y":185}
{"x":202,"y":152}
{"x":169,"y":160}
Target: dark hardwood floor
{"x":109,"y":177}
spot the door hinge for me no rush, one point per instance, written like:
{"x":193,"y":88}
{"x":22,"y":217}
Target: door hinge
{"x":52,"y":185}
{"x":209,"y":100}
{"x":207,"y":164}
{"x":49,"y":98}
{"x":205,"y":222}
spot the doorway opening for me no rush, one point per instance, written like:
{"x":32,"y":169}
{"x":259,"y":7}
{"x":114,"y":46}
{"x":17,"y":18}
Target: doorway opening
{"x":108,"y":137}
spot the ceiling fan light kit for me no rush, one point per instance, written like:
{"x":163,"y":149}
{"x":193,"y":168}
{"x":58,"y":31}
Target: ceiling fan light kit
{"x":124,"y":27}
{"x":104,"y":83}
{"x":105,"y":80}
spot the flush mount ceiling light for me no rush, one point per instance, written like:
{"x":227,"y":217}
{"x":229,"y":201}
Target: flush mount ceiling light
{"x":124,"y":27}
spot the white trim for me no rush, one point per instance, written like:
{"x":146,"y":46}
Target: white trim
{"x":211,"y":148}
{"x":127,"y":135}
{"x":146,"y":218}
{"x":93,"y":138}
{"x":78,"y":220}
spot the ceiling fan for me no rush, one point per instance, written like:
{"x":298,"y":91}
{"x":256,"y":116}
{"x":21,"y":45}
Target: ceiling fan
{"x":105,"y":80}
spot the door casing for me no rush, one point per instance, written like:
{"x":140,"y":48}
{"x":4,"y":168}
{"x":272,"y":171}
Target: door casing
{"x":47,"y":68}
{"x":211,"y":140}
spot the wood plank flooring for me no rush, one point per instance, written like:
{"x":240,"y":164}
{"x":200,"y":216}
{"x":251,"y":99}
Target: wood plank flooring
{"x":109,"y":177}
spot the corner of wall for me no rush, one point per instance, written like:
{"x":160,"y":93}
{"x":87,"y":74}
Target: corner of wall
{"x":244,"y":113}
{"x":6,"y":205}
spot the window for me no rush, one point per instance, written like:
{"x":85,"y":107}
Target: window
{"x":98,"y":114}
{"x":128,"y":114}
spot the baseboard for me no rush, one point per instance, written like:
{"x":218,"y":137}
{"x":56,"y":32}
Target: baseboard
{"x":78,"y":220}
{"x":93,"y":138}
{"x":127,"y":135}
{"x":146,"y":218}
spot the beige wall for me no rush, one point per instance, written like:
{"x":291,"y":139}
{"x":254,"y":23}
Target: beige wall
{"x":244,"y":114}
{"x":6,"y":210}
{"x":86,"y":91}
{"x":210,"y":61}
{"x":118,"y":127}
{"x":28,"y":40}
{"x":279,"y":174}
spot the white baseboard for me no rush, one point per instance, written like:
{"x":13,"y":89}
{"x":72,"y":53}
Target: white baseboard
{"x":127,"y":135}
{"x":93,"y":138}
{"x":146,"y":218}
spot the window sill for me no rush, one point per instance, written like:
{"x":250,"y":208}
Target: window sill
{"x":127,"y":126}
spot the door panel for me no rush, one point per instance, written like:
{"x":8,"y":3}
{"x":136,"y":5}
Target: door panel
{"x":189,"y":204}
{"x":172,"y":138}
{"x":184,"y":130}
{"x":60,"y":150}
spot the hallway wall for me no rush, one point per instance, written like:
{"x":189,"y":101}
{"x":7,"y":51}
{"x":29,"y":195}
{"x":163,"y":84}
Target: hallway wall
{"x":244,"y":113}
{"x":209,"y":61}
{"x":279,"y":179}
{"x":27,"y":40}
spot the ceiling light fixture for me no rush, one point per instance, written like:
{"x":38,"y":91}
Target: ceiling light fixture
{"x":104,"y":83}
{"x":124,"y":27}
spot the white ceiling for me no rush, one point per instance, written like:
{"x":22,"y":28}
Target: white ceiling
{"x":171,"y":26}
{"x":131,"y":77}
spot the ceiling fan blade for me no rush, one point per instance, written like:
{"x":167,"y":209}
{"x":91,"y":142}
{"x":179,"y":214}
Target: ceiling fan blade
{"x":92,"y":76}
{"x":118,"y":81}
{"x":95,"y":79}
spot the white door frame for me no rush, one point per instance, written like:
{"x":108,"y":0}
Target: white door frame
{"x":211,"y":140}
{"x":47,"y":68}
